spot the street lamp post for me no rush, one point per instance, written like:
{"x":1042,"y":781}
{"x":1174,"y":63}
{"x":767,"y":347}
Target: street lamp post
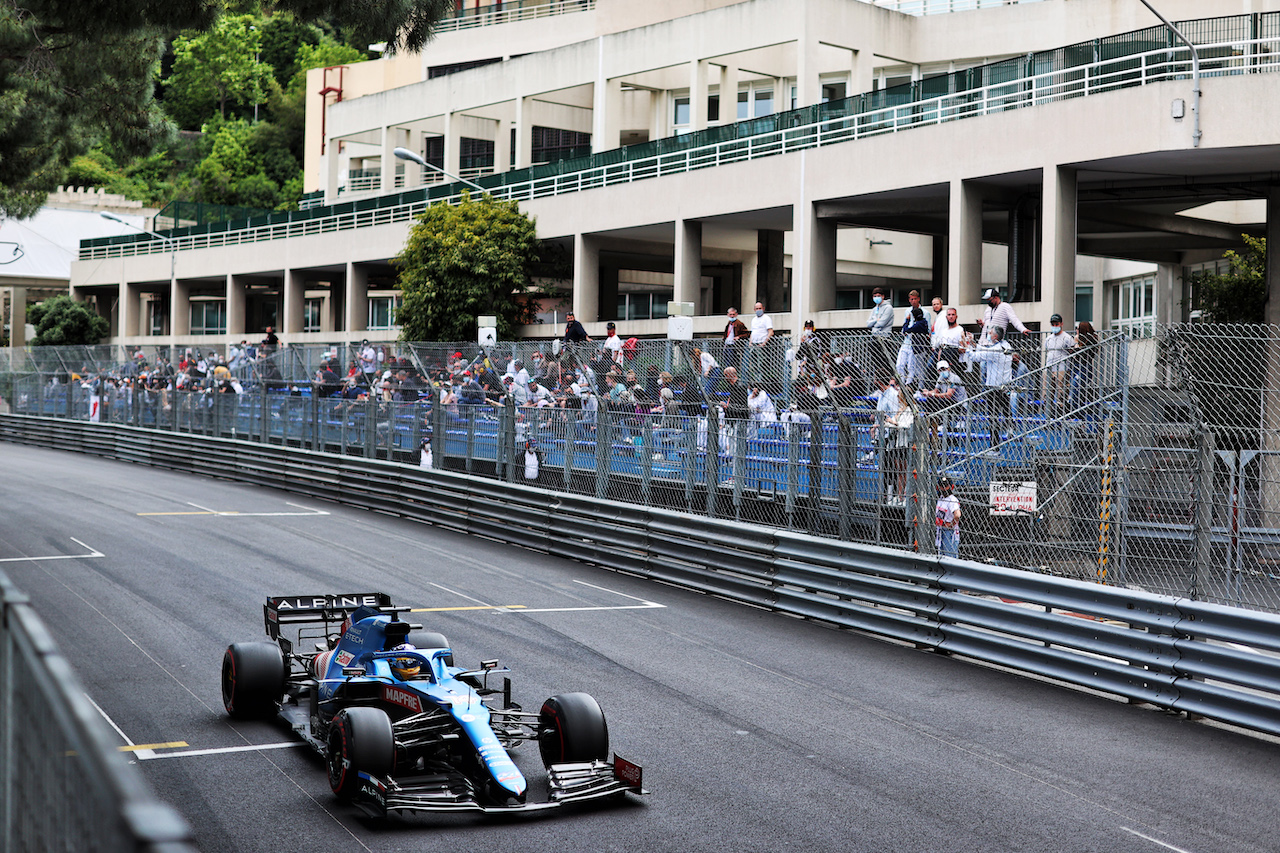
{"x":1195,"y":74}
{"x":406,"y":154}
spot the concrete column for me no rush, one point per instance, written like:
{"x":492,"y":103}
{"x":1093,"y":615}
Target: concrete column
{"x":1269,"y":491}
{"x":524,"y":132}
{"x":606,"y":110}
{"x":813,"y":279}
{"x":332,"y":161}
{"x":452,"y":143}
{"x":295,"y":287}
{"x":964,"y":261}
{"x":17,"y":316}
{"x":1058,"y":242}
{"x":659,"y":123}
{"x":808,"y":87}
{"x":235,"y":306}
{"x":412,"y":140}
{"x":357,"y":298}
{"x":688,"y":261}
{"x":179,"y":308}
{"x":729,"y":93}
{"x":750,"y":283}
{"x":861,"y":77}
{"x":387,"y":182}
{"x":586,"y":278}
{"x":1168,"y":293}
{"x":698,"y":72}
{"x":128,"y":307}
{"x":501,"y":147}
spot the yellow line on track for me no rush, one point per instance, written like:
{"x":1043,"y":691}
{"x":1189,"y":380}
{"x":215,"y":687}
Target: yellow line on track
{"x":141,"y":746}
{"x":478,"y":607}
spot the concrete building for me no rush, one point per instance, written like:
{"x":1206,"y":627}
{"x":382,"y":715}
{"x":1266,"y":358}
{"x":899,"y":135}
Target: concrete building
{"x":795,"y":152}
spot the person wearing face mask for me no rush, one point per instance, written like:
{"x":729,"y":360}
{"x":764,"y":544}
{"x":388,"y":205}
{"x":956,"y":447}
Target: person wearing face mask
{"x":1057,"y":346}
{"x":735,"y":340}
{"x":880,"y":324}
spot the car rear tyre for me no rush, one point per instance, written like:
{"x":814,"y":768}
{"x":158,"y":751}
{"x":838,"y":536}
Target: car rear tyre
{"x":430,"y":640}
{"x":253,"y":678}
{"x":360,"y":741}
{"x":572,"y":729}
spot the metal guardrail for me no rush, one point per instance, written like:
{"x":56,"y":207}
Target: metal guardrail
{"x":919,"y":8}
{"x":510,"y":11}
{"x":63,"y":784}
{"x":1201,"y":659}
{"x":1222,"y":56}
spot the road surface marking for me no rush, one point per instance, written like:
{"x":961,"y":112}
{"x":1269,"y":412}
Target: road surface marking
{"x":643,"y":605}
{"x":473,"y":607}
{"x":189,"y":753}
{"x":142,"y":752}
{"x":204,"y":510}
{"x":170,"y":745}
{"x":1154,"y":840}
{"x":93,"y":552}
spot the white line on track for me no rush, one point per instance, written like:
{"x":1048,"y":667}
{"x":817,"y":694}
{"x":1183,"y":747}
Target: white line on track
{"x":93,"y":552}
{"x":188,"y":753}
{"x":204,"y":510}
{"x":1154,"y":840}
{"x":643,"y":605}
{"x":141,"y":754}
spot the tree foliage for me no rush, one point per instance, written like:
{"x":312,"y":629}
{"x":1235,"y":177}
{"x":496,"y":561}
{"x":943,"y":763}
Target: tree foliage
{"x":76,"y":75}
{"x":1240,"y":294}
{"x":61,"y":321}
{"x":464,"y":260}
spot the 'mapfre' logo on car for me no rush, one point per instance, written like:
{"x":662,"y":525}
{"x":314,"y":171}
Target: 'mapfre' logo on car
{"x":403,"y":698}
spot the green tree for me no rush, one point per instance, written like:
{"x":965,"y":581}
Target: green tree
{"x":464,"y":260}
{"x":74,"y":74}
{"x":1240,"y":294}
{"x":61,"y":321}
{"x":221,"y":64}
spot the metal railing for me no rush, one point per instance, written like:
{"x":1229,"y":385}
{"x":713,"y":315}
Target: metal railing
{"x":1244,"y":44}
{"x":63,"y":783}
{"x":941,"y":7}
{"x":1186,"y":656}
{"x":510,"y":11}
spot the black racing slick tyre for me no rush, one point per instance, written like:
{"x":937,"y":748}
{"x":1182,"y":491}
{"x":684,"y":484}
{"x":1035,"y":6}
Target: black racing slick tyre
{"x":360,"y":741}
{"x":571,"y":728}
{"x":430,"y":640}
{"x":253,"y":678}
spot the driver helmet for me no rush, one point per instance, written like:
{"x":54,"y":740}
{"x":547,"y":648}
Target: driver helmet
{"x":406,"y":667}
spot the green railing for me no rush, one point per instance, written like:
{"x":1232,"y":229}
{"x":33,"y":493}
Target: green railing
{"x":179,"y":214}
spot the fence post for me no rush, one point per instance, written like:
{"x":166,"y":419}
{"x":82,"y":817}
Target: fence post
{"x":711,"y":465}
{"x":921,"y":504}
{"x":604,"y":447}
{"x":515,"y":450}
{"x":438,"y":429}
{"x":691,"y":454}
{"x":845,"y":472}
{"x":471,"y":435}
{"x":370,"y":427}
{"x":646,"y":461}
{"x":315,"y":417}
{"x":570,"y":443}
{"x":739,"y":468}
{"x":793,"y":470}
{"x":1204,"y":492}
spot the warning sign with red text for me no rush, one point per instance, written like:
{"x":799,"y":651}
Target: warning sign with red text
{"x":1013,"y":497}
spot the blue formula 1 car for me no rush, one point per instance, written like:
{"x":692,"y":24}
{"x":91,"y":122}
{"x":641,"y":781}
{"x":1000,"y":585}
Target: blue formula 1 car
{"x":403,"y":729}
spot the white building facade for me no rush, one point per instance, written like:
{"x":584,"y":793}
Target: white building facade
{"x":793,"y":152}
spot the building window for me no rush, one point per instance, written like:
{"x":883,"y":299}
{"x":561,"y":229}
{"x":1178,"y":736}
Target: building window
{"x":682,"y":117}
{"x":1133,"y":305}
{"x":643,"y":306}
{"x":312,"y":311}
{"x":551,"y":144}
{"x":1084,"y":303}
{"x":755,"y":101}
{"x":209,"y":317}
{"x":382,"y":311}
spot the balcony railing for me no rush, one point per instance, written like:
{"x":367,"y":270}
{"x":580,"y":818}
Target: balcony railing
{"x":511,"y":11}
{"x":1132,"y":59}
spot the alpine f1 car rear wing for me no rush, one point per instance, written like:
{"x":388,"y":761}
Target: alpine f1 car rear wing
{"x":301,"y":609}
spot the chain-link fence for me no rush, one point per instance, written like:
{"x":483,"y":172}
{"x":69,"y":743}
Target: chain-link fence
{"x":1150,"y":462}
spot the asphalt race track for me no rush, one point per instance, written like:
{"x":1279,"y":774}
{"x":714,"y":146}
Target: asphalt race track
{"x":757,"y":732}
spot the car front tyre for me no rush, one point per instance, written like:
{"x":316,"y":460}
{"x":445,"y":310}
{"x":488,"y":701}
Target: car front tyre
{"x":572,"y":729}
{"x":360,"y":741}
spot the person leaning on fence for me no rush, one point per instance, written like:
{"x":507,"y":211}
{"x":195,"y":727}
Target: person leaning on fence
{"x":999,"y":315}
{"x":1057,"y":347}
{"x":574,"y":332}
